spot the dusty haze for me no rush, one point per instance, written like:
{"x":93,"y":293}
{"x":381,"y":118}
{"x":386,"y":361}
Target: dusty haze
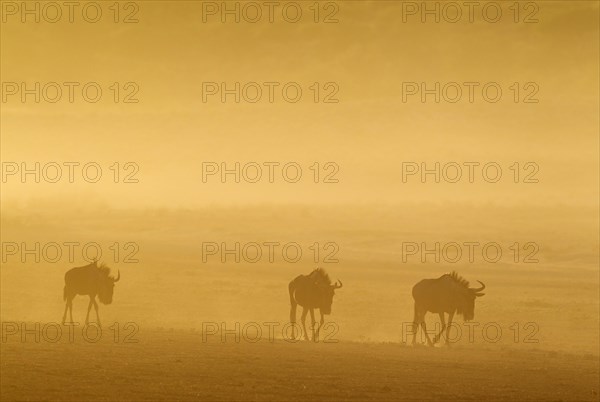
{"x":362,"y":212}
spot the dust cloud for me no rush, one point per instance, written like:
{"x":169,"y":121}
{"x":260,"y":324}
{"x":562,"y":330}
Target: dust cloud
{"x":206,"y":205}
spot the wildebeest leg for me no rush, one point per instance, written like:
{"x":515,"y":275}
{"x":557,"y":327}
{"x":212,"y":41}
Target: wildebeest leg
{"x":293,"y":320}
{"x":450,"y":316}
{"x":438,"y":336}
{"x":68,"y":297}
{"x":65,"y":314}
{"x":426,"y":334}
{"x":304,"y":311}
{"x":425,"y":330}
{"x":69,"y":303}
{"x":71,"y":309}
{"x":320,"y":323}
{"x":87,"y":317}
{"x":97,"y":316}
{"x":293,"y":306}
{"x":312,"y":325}
{"x":415,"y":327}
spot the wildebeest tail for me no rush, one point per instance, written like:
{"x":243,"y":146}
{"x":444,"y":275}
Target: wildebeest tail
{"x":292,"y":288}
{"x":65,"y":293}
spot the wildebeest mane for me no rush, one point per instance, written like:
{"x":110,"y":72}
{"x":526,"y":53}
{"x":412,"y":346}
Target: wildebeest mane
{"x":321,"y":276}
{"x":104,"y":270}
{"x":459,"y":279}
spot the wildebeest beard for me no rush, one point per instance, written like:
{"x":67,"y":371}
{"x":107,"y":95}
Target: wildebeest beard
{"x":106,"y":284}
{"x":106,"y":289}
{"x":105,"y":294}
{"x":326,"y":299}
{"x":469,"y":315}
{"x":466,"y":309}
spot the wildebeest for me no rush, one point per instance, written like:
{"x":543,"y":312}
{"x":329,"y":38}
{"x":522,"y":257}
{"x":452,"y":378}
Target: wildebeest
{"x":311,"y":291}
{"x":450,"y":293}
{"x":91,"y":280}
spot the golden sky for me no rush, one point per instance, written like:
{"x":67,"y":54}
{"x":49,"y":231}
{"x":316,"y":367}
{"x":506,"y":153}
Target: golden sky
{"x":368,"y":54}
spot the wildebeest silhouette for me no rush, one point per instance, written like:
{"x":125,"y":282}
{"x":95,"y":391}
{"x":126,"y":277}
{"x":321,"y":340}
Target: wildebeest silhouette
{"x":91,"y":280}
{"x":450,"y":293}
{"x":311,"y":291}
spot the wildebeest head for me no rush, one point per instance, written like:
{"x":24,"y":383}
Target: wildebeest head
{"x":106,"y":285}
{"x":467,"y":305}
{"x":326,"y":295}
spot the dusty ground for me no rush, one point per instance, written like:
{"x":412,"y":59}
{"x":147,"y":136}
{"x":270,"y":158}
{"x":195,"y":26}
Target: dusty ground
{"x":544,"y":313}
{"x":178,"y":365}
{"x":547,"y":312}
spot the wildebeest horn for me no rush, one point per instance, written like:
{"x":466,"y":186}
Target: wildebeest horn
{"x":118,"y":276}
{"x":336,"y":286}
{"x":479,"y":289}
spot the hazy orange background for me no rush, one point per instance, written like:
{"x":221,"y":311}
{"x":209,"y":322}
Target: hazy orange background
{"x":368,"y":134}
